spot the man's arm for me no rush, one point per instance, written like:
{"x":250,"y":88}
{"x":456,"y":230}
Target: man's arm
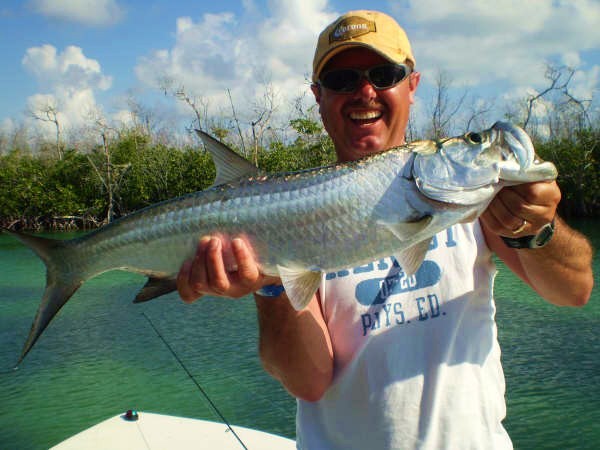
{"x":294,"y":346}
{"x":560,"y":272}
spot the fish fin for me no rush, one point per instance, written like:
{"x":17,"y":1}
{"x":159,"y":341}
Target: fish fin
{"x":230,"y":166}
{"x":300,"y":285}
{"x":473,"y":215}
{"x":60,"y":284}
{"x":155,"y":287}
{"x":411,"y":259}
{"x":406,"y":230}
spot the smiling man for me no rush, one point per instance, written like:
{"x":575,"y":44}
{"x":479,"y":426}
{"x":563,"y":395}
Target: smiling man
{"x":380,"y":360}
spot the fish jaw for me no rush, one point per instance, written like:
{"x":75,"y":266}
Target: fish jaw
{"x":525,"y":166}
{"x":518,"y":143}
{"x":512,"y":174}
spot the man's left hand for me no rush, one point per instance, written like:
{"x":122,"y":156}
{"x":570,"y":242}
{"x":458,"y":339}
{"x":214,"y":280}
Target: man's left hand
{"x":522,"y":210}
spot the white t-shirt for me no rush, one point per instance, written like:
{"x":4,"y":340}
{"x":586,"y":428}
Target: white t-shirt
{"x":416,"y":359}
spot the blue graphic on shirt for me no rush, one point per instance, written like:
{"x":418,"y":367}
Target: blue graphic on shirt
{"x":391,"y":314}
{"x":377,"y":290}
{"x":377,"y":293}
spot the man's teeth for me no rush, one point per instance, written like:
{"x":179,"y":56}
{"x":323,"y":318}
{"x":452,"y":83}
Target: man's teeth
{"x":365,"y":115}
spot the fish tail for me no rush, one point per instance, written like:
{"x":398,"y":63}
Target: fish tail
{"x":61,"y":283}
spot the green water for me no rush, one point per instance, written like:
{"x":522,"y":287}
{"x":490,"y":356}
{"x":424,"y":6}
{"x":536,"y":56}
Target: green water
{"x":100,"y":357}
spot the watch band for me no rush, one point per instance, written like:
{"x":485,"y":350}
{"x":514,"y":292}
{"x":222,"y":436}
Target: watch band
{"x":538,"y":240}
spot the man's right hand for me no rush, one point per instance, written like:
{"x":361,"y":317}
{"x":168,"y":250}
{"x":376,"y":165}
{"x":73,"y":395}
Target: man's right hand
{"x":223,"y":267}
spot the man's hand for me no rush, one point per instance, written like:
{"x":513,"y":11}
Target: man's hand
{"x":223,"y":267}
{"x":560,"y":271}
{"x":534,"y":203}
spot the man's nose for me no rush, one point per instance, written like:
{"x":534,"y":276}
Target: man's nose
{"x":365,"y":89}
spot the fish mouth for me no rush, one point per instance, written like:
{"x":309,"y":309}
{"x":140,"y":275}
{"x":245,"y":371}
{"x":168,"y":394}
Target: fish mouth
{"x":519,"y":143}
{"x":527,"y":166}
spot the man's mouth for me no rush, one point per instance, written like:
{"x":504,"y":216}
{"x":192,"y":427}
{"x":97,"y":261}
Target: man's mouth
{"x":365,"y":116}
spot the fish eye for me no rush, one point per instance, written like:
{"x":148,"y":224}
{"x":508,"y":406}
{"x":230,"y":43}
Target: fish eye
{"x":474,"y":138}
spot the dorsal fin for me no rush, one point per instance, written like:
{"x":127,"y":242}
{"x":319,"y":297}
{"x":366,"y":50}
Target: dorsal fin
{"x":230,"y":166}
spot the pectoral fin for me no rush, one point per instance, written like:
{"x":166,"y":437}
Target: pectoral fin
{"x":411,"y":259}
{"x":407,"y":230}
{"x":155,"y":287}
{"x":300,"y":285}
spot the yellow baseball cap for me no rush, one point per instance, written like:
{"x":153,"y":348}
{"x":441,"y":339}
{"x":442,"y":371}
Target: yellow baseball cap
{"x":370,"y":29}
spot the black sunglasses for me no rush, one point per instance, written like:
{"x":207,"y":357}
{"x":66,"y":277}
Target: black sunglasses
{"x":383,"y":76}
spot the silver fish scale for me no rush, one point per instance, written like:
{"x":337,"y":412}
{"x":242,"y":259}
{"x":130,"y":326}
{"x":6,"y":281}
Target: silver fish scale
{"x":318,"y":219}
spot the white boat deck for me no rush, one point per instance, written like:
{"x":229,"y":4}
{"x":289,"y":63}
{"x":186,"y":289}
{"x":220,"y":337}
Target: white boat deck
{"x":157,"y":432}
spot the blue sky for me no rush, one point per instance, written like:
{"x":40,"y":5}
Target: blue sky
{"x":97,"y":55}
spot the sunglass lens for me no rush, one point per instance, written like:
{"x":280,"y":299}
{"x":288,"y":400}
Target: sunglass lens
{"x":342,"y":80}
{"x":386,"y":76}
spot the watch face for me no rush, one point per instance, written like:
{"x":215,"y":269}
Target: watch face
{"x":544,"y":235}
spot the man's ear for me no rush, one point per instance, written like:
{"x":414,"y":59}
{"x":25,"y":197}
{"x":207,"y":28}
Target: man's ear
{"x":316,"y":90}
{"x":413,"y":82}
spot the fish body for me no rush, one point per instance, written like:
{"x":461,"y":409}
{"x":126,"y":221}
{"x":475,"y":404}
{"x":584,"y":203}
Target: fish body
{"x":300,"y":224}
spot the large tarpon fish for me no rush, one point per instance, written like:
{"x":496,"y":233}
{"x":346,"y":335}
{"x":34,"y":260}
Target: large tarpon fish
{"x":300,"y":224}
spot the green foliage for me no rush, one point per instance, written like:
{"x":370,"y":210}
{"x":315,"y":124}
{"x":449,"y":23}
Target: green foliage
{"x":143,"y":172}
{"x":35,"y":187}
{"x":305,"y":126}
{"x":578,"y":162}
{"x":298,"y":156}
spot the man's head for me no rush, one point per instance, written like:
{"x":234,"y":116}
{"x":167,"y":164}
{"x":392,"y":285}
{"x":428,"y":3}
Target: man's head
{"x":364,"y":111}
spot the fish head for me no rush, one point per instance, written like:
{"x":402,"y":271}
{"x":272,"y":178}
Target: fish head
{"x":471,"y":168}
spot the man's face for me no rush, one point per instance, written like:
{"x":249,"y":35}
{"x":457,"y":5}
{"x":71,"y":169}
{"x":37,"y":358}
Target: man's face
{"x":368,"y":120}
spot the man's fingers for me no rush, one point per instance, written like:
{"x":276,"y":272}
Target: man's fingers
{"x":197,"y":280}
{"x":220,"y":267}
{"x":186,"y":293}
{"x":218,"y":279}
{"x":247,"y":269}
{"x":500,"y":218}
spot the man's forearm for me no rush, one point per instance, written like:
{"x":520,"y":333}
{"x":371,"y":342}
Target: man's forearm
{"x":561,"y":271}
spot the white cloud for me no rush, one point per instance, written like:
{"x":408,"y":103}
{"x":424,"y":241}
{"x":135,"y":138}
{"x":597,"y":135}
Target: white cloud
{"x":505,"y":40}
{"x":85,"y":12}
{"x":585,"y":83}
{"x":71,"y":68}
{"x":7,"y":126}
{"x":241,"y":53}
{"x":502,"y":49}
{"x":68,"y":79}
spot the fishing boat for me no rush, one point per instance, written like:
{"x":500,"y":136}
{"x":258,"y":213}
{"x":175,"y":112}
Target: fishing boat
{"x":143,"y":430}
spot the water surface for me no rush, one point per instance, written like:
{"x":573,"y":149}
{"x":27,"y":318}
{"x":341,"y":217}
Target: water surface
{"x":100,"y":357}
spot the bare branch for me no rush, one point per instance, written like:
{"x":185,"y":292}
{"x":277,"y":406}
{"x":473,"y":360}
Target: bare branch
{"x":49,"y":113}
{"x":237,"y":122}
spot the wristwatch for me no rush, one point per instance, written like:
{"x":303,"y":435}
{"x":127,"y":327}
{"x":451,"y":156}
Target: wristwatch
{"x":538,"y":240}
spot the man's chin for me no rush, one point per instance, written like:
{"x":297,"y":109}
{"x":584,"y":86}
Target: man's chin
{"x":368,"y":144}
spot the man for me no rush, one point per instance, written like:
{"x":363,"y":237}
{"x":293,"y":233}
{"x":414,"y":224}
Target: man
{"x":406,"y":363}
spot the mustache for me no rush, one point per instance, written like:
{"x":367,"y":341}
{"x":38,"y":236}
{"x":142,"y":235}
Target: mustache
{"x":359,"y":103}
